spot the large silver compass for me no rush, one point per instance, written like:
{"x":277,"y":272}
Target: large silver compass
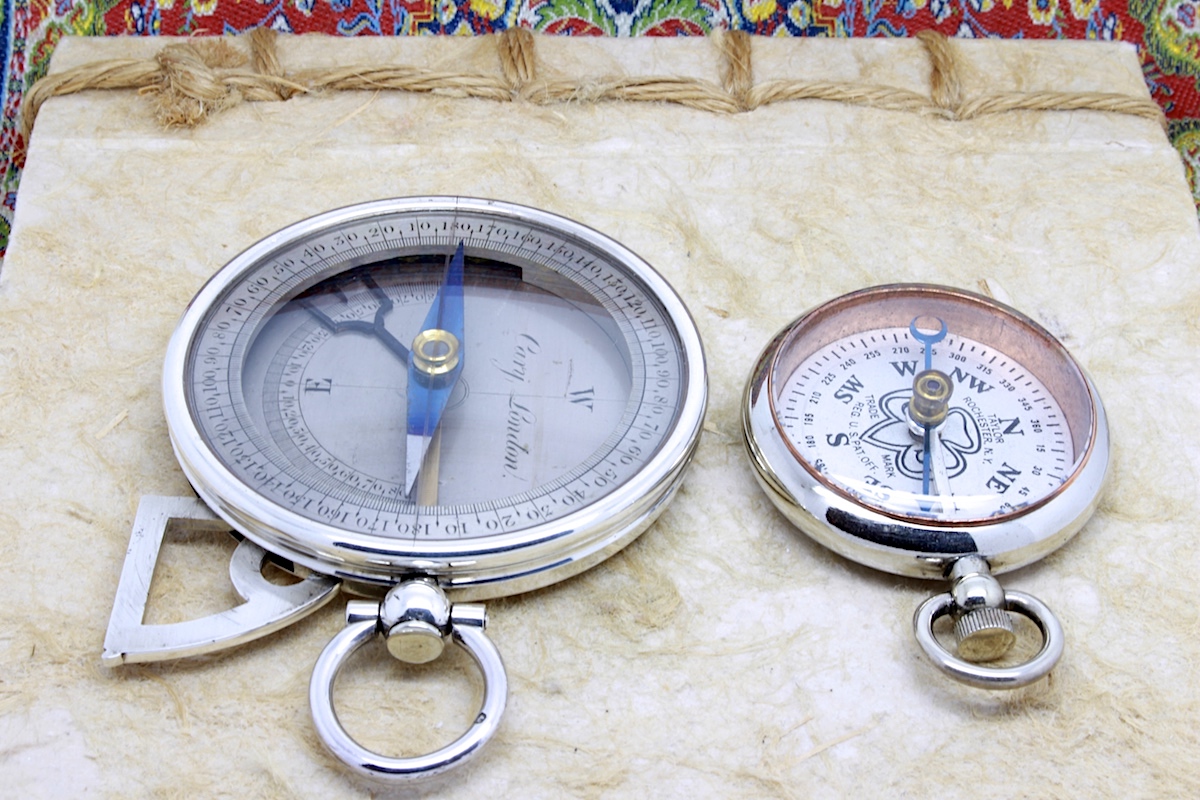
{"x":424,"y":400}
{"x":934,"y":433}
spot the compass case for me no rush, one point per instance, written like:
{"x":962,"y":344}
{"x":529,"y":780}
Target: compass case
{"x":722,"y":653}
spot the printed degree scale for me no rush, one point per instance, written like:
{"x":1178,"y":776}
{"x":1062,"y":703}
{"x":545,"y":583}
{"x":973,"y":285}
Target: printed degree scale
{"x":437,"y":398}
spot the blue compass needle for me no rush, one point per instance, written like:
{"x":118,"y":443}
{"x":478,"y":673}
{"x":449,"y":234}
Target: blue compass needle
{"x":435,"y":362}
{"x":928,"y":340}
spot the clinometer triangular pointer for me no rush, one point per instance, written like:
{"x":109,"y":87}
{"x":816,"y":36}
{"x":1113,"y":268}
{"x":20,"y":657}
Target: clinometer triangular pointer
{"x":268,"y":607}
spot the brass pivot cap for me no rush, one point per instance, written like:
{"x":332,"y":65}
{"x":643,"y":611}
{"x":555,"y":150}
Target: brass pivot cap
{"x":435,"y":351}
{"x":930,"y":398}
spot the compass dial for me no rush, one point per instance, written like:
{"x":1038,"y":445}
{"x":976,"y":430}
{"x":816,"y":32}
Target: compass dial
{"x":465,"y":388}
{"x":1004,"y":442}
{"x":907,"y":425}
{"x":545,"y":385}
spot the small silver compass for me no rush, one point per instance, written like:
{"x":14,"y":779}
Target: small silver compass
{"x":934,"y":433}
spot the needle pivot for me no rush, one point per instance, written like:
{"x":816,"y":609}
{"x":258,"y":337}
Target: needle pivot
{"x":930,"y":398}
{"x":435,"y":352}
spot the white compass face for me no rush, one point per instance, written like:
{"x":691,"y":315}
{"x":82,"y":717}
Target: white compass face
{"x":1003,"y":445}
{"x":907,"y":426}
{"x":440,"y":376}
{"x":1012,"y":415}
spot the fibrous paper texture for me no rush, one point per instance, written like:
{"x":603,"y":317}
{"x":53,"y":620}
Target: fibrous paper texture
{"x":722,"y":653}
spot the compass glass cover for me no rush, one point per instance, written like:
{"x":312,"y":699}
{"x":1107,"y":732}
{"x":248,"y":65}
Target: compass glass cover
{"x":1015,"y":429}
{"x":560,"y":379}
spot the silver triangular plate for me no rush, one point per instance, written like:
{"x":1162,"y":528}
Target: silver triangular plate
{"x":268,"y":607}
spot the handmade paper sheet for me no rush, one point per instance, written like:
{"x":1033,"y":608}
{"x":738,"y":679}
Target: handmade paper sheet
{"x":722,"y":653}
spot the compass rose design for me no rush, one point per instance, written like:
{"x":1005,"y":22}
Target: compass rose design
{"x":960,"y":436}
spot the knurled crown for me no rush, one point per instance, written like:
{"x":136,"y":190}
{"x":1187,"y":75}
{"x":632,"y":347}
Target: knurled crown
{"x":415,"y":617}
{"x":984,"y":634}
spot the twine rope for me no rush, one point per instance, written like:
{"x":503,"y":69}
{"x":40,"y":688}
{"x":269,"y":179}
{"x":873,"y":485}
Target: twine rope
{"x":194,"y":80}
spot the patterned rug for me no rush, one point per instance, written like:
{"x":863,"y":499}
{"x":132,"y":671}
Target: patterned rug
{"x":1166,"y":32}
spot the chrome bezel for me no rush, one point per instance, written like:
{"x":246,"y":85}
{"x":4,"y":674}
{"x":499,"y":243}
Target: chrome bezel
{"x":478,"y":568}
{"x":851,"y":528}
